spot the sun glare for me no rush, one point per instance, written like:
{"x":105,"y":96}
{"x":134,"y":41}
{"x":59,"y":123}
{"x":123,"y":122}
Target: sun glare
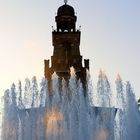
{"x":53,"y":120}
{"x":102,"y":135}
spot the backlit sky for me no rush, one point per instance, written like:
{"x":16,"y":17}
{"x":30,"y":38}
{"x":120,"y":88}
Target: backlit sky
{"x":110,"y":38}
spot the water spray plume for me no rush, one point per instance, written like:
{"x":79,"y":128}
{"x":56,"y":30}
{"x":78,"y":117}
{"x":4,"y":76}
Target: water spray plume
{"x":102,"y":73}
{"x":118,"y":77}
{"x":72,"y":71}
{"x":87,"y":72}
{"x":54,"y":76}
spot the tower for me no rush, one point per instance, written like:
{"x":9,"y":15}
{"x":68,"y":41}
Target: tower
{"x":66,"y":43}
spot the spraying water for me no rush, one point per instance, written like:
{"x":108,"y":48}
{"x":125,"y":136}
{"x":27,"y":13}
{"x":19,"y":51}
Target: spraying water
{"x":66,"y":112}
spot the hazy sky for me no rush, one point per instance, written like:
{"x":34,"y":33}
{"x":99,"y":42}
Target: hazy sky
{"x":110,"y":38}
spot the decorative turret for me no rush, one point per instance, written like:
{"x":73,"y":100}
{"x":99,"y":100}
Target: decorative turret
{"x":66,"y":19}
{"x":66,"y":42}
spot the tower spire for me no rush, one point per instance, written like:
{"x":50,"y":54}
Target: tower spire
{"x":65,"y":1}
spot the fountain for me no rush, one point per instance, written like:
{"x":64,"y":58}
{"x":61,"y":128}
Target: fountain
{"x":33,"y":113}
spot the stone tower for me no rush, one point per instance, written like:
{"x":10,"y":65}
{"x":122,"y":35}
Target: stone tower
{"x":66,"y":42}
